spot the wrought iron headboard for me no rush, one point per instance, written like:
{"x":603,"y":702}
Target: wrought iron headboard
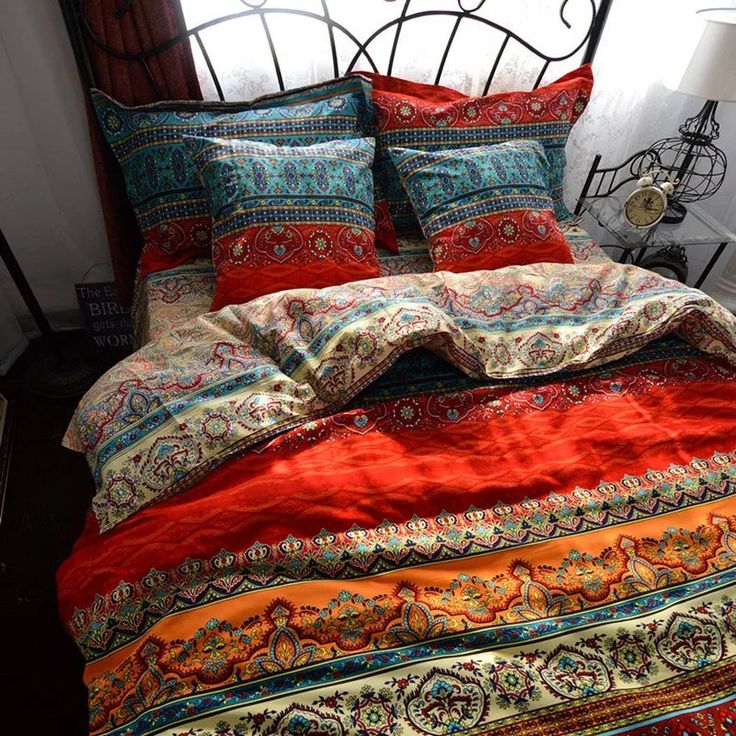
{"x":81,"y":33}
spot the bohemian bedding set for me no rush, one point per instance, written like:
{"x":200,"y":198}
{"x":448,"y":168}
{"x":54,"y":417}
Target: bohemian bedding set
{"x":357,"y":480}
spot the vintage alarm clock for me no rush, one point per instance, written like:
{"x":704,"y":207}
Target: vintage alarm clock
{"x":647,"y":204}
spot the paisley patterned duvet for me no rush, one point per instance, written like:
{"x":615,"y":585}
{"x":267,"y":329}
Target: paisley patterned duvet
{"x":418,"y":505}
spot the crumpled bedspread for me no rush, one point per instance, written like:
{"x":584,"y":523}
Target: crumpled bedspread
{"x":163,"y":417}
{"x":499,"y":503}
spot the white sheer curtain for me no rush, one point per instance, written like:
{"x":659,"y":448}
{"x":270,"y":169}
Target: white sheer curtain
{"x":630,"y":107}
{"x":240,"y":53}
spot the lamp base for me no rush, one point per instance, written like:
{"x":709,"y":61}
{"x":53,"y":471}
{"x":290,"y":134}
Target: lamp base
{"x":675,"y":213}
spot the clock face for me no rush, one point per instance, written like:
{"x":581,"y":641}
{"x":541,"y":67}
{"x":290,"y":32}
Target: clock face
{"x":645,"y":207}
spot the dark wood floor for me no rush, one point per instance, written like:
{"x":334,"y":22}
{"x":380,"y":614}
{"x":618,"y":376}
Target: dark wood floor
{"x":48,"y":491}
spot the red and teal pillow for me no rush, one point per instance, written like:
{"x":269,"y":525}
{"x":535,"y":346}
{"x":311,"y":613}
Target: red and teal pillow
{"x":286,"y":217}
{"x":483,"y":207}
{"x":433,"y":118}
{"x":168,"y":199}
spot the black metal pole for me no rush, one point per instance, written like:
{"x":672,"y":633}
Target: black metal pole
{"x":712,"y":262}
{"x":24,"y":287}
{"x":588,"y":180}
{"x":597,"y":30}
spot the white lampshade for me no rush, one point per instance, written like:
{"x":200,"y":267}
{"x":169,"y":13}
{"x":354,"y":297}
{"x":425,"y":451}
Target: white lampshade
{"x":708,"y":66}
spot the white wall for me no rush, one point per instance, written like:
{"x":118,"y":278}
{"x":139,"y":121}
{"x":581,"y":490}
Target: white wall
{"x":49,"y":205}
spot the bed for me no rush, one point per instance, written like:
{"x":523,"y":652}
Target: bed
{"x":428,"y":502}
{"x":174,"y":295}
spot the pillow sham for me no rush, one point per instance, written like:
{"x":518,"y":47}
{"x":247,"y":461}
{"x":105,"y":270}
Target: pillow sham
{"x":286,"y":218}
{"x":483,"y":207}
{"x":434,"y":118}
{"x":167,"y":197}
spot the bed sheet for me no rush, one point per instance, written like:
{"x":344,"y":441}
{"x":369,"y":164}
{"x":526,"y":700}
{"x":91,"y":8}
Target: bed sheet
{"x":167,"y":298}
{"x":415,"y":506}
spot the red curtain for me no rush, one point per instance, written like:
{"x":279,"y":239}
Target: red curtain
{"x":130,"y":26}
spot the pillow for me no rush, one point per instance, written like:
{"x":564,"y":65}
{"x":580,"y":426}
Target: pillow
{"x":432,"y":118}
{"x":162,"y":185}
{"x":483,"y":207}
{"x":286,"y":218}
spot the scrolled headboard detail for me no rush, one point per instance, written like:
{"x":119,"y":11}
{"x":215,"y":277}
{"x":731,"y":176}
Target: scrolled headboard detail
{"x":583,"y":33}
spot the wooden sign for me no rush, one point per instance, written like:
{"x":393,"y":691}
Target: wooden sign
{"x":105,"y":321}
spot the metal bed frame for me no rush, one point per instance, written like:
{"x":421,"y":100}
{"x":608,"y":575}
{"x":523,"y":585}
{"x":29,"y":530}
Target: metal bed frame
{"x":586,"y":39}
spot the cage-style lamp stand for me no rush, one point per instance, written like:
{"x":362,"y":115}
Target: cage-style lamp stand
{"x":693,"y":159}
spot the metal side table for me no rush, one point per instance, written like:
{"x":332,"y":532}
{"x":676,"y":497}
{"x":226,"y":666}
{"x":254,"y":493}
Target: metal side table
{"x":603,"y":199}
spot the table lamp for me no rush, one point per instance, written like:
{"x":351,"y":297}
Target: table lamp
{"x":708,"y":72}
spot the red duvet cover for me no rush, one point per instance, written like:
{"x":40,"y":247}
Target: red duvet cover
{"x":484,"y":503}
